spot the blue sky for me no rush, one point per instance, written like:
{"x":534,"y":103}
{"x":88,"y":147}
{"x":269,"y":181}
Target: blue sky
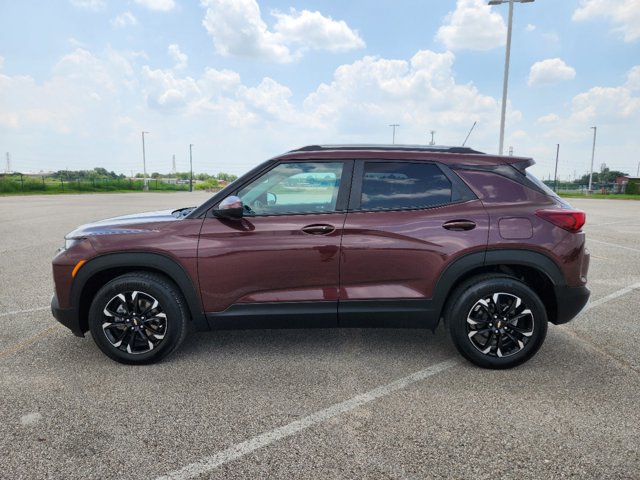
{"x":244,"y":80}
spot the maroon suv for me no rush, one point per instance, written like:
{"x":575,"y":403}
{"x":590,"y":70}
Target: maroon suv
{"x":338,"y":236}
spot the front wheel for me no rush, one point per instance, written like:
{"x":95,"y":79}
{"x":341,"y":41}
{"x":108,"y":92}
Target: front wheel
{"x":138,"y":318}
{"x":496,"y":321}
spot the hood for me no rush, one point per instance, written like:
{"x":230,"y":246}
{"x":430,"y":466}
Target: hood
{"x":127,"y":224}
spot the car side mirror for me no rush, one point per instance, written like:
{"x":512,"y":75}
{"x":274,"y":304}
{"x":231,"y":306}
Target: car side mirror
{"x":230,"y":207}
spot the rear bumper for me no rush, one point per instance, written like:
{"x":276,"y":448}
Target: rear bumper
{"x":67,"y":317}
{"x":571,"y":301}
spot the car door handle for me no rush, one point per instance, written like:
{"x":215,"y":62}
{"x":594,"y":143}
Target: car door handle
{"x":319,"y":229}
{"x":459,"y":225}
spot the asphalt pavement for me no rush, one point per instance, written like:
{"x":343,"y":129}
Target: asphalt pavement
{"x":312,"y":404}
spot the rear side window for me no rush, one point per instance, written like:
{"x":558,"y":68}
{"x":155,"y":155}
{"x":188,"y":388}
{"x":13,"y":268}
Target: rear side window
{"x":395,"y":185}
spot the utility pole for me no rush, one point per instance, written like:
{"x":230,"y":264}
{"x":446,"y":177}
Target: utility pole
{"x":593,"y":154}
{"x":145,"y":185}
{"x":638,"y":171}
{"x":191,"y":167}
{"x":555,"y":175}
{"x":174,"y":165}
{"x":505,"y":82}
{"x":8,"y":168}
{"x":394,"y":125}
{"x":432,"y":142}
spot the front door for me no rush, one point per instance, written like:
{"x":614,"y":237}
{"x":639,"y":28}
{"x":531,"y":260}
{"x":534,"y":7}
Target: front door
{"x":282,"y":257}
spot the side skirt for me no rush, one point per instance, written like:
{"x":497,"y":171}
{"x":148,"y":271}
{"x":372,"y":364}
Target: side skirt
{"x":346,"y":314}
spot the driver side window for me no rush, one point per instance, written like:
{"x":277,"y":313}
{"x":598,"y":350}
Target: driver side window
{"x":290,"y":188}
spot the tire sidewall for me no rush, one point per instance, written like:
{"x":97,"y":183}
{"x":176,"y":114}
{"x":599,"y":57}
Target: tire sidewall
{"x":467,"y":296}
{"x":169,"y":300}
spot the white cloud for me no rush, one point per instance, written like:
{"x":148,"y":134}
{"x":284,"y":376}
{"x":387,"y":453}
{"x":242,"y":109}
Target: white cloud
{"x":118,"y":94}
{"x":237,"y":29}
{"x":606,"y":104}
{"x":271,"y":99}
{"x":530,"y":27}
{"x":550,"y":71}
{"x":472,"y":26}
{"x":420,"y":94}
{"x":317,"y":32}
{"x":94,"y":5}
{"x":550,"y":118}
{"x":79,"y":97}
{"x":614,"y":109}
{"x":160,"y":5}
{"x":126,"y":19}
{"x":625,"y":14}
{"x":180,"y":58}
{"x":633,"y":78}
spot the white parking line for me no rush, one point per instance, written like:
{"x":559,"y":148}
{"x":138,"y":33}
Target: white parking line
{"x":613,"y":245}
{"x":244,"y":448}
{"x":611,"y":296}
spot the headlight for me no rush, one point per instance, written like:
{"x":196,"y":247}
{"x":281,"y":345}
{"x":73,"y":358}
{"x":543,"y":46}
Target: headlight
{"x":70,"y":242}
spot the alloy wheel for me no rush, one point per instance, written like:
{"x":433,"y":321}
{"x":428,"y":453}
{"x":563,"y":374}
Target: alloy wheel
{"x":500,"y":325}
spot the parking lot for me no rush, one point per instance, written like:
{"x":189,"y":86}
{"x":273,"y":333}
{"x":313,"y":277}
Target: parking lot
{"x":396,"y":404}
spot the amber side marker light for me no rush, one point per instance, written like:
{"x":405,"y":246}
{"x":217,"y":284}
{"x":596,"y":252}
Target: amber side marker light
{"x":77,"y":267}
{"x":569,"y":219}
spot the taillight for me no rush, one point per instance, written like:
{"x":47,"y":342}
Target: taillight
{"x":569,"y":219}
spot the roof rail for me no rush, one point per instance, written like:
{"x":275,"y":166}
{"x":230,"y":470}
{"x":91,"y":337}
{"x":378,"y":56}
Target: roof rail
{"x":407,"y":148}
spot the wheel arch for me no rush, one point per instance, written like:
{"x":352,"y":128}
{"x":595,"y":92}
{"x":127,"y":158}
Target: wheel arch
{"x":535,"y":269}
{"x":100,"y":270}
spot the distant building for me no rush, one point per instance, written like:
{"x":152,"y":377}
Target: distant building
{"x":621,"y":183}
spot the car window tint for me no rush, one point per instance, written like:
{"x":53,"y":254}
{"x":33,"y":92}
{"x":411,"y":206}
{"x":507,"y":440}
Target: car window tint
{"x":393,"y":185}
{"x":294,"y":188}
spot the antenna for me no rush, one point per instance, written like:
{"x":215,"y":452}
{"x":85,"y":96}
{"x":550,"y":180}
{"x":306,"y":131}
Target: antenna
{"x":468,"y":134}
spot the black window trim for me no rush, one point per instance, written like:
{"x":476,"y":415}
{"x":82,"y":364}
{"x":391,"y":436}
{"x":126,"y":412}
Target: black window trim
{"x":460,"y":192}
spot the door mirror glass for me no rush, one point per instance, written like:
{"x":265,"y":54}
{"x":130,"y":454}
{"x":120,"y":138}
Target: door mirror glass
{"x":230,"y":207}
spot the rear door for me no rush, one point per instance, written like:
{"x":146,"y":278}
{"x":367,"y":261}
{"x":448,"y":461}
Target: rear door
{"x":407,"y":221}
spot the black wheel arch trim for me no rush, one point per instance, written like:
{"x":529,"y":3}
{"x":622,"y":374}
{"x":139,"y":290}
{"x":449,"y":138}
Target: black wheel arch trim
{"x":486,"y":258}
{"x":157,"y":262}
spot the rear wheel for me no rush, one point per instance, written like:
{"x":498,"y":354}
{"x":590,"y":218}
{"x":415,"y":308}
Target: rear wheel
{"x":496,"y":321}
{"x":138,"y":318}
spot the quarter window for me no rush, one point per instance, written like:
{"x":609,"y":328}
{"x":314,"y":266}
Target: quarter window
{"x":396,"y":185}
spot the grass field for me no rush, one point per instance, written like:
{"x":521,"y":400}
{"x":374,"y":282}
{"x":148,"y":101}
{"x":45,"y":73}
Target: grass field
{"x":22,"y":185}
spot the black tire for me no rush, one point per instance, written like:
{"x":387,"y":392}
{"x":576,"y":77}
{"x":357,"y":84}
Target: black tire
{"x":138,"y":318}
{"x":507,"y":316}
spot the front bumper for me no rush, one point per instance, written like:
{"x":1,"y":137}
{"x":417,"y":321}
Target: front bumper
{"x":571,"y":301}
{"x":67,"y":317}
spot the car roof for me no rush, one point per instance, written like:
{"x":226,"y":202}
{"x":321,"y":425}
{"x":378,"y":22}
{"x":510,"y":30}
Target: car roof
{"x":450,"y":155}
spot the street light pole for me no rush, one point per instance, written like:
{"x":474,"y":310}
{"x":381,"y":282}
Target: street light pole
{"x":394,"y":125}
{"x":593,"y":154}
{"x":555,"y":175}
{"x":505,"y":82}
{"x":191,"y":168}
{"x":145,"y":185}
